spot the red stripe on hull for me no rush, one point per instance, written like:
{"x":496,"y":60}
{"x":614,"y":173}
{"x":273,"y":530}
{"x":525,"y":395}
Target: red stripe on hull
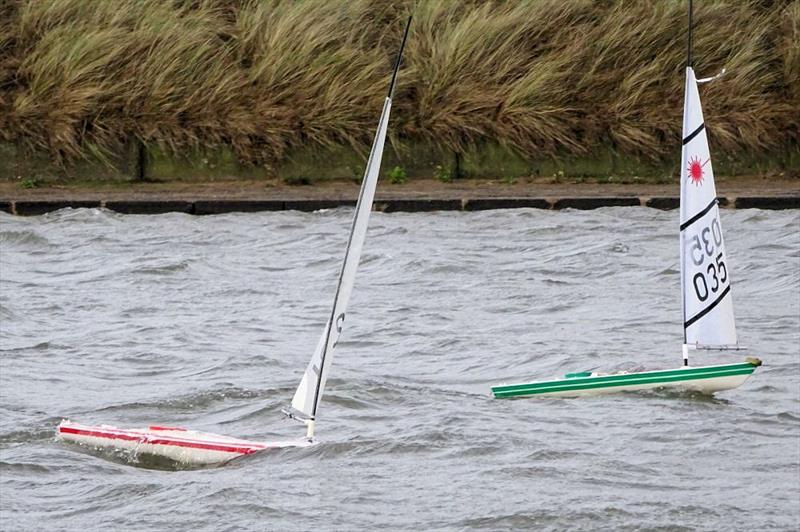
{"x":152,"y":440}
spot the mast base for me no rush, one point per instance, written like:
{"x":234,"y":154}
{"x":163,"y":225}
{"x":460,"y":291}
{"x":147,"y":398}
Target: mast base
{"x":308,"y":422}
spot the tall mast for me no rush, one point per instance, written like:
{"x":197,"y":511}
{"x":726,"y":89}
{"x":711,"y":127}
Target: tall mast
{"x":399,"y":59}
{"x":689,"y":45}
{"x":334,"y":320}
{"x":685,"y":348}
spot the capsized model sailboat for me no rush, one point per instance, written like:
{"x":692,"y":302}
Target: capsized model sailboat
{"x":708,"y":321}
{"x":202,"y":448}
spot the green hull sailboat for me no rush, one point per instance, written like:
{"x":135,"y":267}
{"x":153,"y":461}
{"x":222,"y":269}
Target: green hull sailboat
{"x":708,"y":321}
{"x":703,"y":379}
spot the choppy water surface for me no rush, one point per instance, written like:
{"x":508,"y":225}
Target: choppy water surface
{"x":208,"y":322}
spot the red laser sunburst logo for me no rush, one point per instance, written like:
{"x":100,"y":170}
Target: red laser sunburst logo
{"x":695,"y":170}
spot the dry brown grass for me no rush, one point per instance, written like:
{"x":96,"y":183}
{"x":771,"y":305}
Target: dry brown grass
{"x":81,"y":78}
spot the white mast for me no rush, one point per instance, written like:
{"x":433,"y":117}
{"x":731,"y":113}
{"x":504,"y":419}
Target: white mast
{"x":309,"y":392}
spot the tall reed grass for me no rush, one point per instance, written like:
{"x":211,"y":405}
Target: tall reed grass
{"x":82,"y":78}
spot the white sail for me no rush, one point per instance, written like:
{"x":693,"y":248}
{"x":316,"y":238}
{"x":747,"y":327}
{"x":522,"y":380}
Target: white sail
{"x":705,"y":271}
{"x":309,"y":392}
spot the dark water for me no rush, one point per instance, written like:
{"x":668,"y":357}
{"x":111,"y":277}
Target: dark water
{"x":208,"y":322}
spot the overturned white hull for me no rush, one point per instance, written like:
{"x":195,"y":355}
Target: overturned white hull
{"x":187,"y":447}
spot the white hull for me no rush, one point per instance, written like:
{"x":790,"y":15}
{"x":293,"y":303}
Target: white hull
{"x":702,"y":379}
{"x":187,"y":447}
{"x":705,"y":386}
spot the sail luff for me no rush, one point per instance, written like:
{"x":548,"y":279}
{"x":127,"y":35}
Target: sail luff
{"x":309,"y":392}
{"x":684,"y":128}
{"x":705,"y":275}
{"x":353,"y":254}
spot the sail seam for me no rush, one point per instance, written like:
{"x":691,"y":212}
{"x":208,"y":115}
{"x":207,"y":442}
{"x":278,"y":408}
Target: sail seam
{"x":693,"y":134}
{"x":699,"y":215}
{"x":708,"y":308}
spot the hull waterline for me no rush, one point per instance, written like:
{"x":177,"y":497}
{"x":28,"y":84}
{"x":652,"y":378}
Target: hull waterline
{"x":187,"y":447}
{"x":703,"y":379}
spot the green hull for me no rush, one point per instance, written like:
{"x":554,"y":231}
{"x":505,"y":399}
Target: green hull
{"x":706,"y":379}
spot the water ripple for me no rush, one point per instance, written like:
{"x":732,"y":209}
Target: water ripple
{"x":208,"y":322}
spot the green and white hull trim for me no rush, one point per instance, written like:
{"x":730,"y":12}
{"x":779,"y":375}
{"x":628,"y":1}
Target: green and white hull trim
{"x":703,"y":379}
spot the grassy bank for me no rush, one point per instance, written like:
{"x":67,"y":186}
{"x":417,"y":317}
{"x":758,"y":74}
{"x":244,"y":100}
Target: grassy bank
{"x":262,"y":79}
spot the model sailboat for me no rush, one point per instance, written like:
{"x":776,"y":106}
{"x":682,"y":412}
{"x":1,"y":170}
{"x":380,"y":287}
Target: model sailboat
{"x":201,"y":448}
{"x":708,"y":321}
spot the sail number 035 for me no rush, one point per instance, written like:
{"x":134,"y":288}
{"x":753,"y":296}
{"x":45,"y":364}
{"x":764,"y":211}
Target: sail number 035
{"x":703,"y":246}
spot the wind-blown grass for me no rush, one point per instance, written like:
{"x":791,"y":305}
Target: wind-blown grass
{"x":83,"y":78}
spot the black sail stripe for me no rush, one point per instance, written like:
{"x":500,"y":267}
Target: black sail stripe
{"x":693,"y":134}
{"x":699,"y":215}
{"x":708,"y":308}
